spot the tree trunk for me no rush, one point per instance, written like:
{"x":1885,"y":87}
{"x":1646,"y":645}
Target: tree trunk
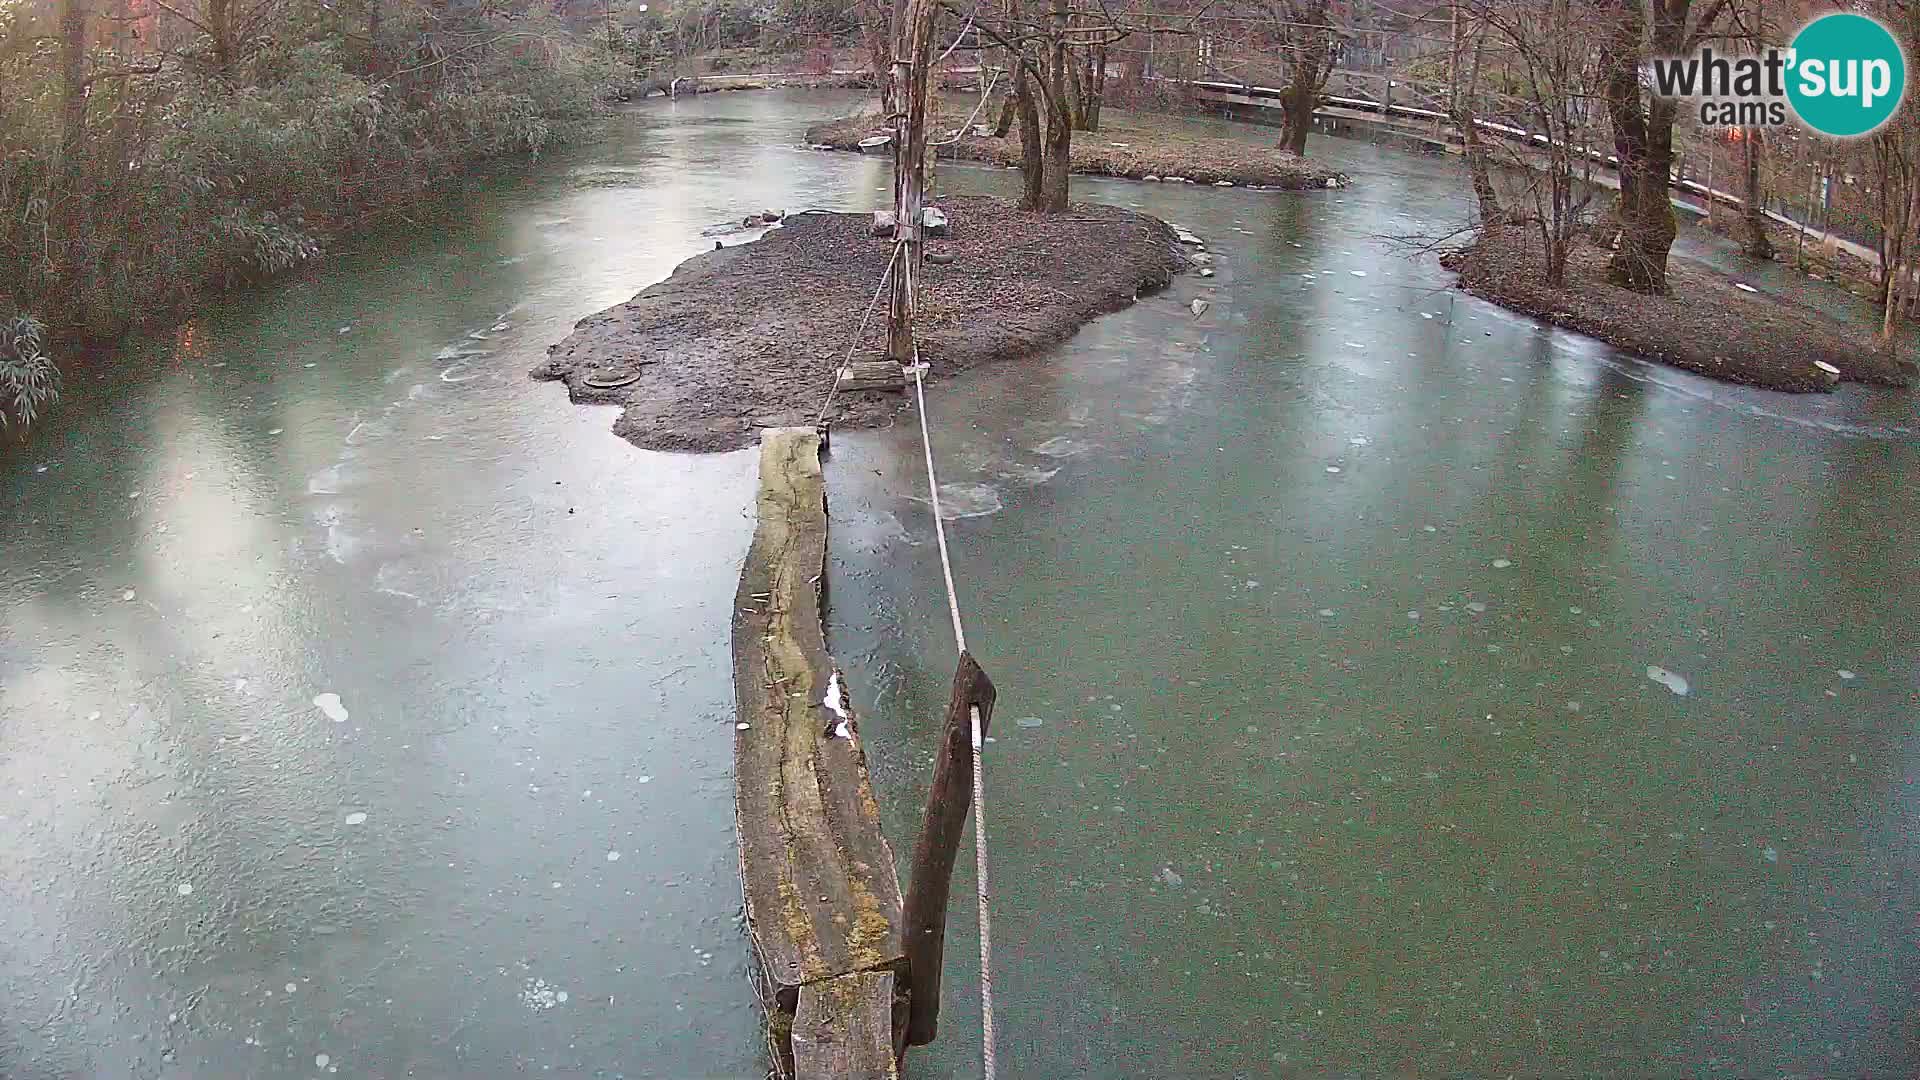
{"x":1891,"y":230}
{"x":1896,"y":247}
{"x":877,"y":29}
{"x":1057,"y":172}
{"x":1485,"y":195}
{"x":1643,"y":138}
{"x":1057,"y":167}
{"x":1308,"y":71}
{"x":1759,"y":245}
{"x":912,"y":90}
{"x":1076,"y":99}
{"x":1083,"y":83}
{"x":1890,"y":303}
{"x":1032,"y":150}
{"x":375,"y":12}
{"x":220,"y":34}
{"x":1892,"y":254}
{"x":1096,"y":88}
{"x":1555,"y":254}
{"x":1643,"y":143}
{"x":1007,"y":108}
{"x":1057,"y":164}
{"x":1005,"y":123}
{"x":1296,"y":110}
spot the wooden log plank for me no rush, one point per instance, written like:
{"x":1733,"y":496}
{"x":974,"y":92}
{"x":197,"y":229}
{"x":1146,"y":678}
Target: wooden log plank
{"x":822,"y":896}
{"x":843,"y":1029}
{"x":939,"y":844}
{"x":873,"y":375}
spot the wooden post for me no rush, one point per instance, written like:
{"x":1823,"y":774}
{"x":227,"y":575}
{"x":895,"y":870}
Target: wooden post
{"x":933,"y":856}
{"x":911,"y":59}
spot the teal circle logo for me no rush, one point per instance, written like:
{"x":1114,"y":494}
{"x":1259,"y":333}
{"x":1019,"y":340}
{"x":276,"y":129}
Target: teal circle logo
{"x":1848,"y":75}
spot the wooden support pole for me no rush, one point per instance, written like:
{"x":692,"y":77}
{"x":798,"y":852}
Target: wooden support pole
{"x":906,"y":221}
{"x":933,"y":857}
{"x":909,"y":74}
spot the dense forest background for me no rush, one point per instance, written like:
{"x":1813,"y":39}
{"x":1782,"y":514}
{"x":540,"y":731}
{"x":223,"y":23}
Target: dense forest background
{"x":155,"y":150}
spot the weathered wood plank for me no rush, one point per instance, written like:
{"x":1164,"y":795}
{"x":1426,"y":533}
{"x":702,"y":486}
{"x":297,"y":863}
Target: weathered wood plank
{"x":843,"y":1029}
{"x":822,"y":896}
{"x":873,"y":375}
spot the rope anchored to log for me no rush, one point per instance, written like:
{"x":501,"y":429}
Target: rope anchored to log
{"x":973,"y":692}
{"x":959,"y":779}
{"x":833,"y":386}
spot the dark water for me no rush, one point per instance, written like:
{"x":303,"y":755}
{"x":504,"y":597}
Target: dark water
{"x":1234,"y":836}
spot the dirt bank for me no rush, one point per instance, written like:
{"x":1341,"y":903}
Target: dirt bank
{"x":1708,"y":325}
{"x":1128,"y":144}
{"x":749,"y":336}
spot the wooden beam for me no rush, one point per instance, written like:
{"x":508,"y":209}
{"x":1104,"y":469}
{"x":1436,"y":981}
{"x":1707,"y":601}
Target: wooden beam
{"x":933,"y":857}
{"x":873,"y":375}
{"x":843,"y":1029}
{"x":822,"y":896}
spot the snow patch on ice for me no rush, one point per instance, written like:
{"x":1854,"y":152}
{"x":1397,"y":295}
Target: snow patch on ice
{"x":836,"y":703}
{"x":1671,"y":680}
{"x":539,"y":995}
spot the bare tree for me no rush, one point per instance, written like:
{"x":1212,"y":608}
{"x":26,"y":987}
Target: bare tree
{"x":1753,"y":215}
{"x":879,"y":29}
{"x":1751,"y":27}
{"x":232,"y":29}
{"x":1297,"y":42}
{"x":1088,"y":84}
{"x":1312,"y":49}
{"x":1896,"y":164}
{"x":1643,"y":126}
{"x":1464,"y":108}
{"x":912,"y":91}
{"x":1553,"y":70}
{"x":1048,"y":48}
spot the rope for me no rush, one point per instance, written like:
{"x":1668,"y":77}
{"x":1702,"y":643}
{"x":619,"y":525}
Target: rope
{"x":834,"y":388}
{"x":962,"y":35}
{"x":981,"y":890}
{"x":989,"y":1062}
{"x":968,"y":126}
